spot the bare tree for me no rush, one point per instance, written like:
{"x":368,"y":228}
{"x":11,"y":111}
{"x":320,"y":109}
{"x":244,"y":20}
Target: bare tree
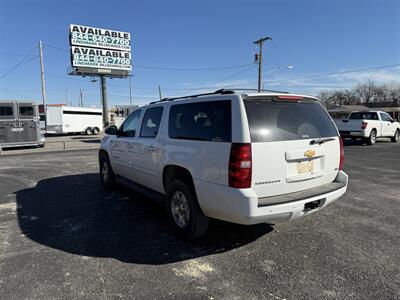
{"x":366,"y":92}
{"x":363,"y":93}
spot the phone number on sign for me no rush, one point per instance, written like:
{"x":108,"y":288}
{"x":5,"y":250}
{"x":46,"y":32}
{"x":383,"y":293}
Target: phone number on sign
{"x":98,"y":38}
{"x":101,"y":59}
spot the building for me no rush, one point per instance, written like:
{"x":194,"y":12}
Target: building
{"x":340,"y":112}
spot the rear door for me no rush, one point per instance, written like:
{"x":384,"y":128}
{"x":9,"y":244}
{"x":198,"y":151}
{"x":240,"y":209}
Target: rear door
{"x":7,"y":122}
{"x":295,"y":145}
{"x":146,"y":156}
{"x":28,"y":122}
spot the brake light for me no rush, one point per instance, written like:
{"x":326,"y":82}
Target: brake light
{"x":240,"y":166}
{"x":341,"y":154}
{"x":364,"y":125}
{"x":290,"y":98}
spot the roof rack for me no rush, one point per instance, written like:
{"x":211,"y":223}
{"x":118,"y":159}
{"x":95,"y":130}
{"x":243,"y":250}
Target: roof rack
{"x":220,"y":92}
{"x":217,"y":92}
{"x":271,"y":91}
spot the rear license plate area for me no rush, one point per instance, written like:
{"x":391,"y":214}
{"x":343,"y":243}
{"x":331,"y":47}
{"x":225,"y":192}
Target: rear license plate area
{"x":314,"y":204}
{"x":304,"y":167}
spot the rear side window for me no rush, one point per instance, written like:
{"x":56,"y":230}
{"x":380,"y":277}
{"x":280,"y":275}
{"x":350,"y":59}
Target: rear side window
{"x":151,"y":122}
{"x":364,"y":116}
{"x":26,"y":111}
{"x":6,"y":111}
{"x":272,"y":121}
{"x":201,"y":121}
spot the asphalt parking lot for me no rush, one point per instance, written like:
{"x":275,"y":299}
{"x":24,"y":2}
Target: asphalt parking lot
{"x":63,"y":237}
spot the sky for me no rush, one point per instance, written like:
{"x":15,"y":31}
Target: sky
{"x":188,"y":47}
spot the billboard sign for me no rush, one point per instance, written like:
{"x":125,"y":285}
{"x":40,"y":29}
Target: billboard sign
{"x":99,"y":51}
{"x":101,"y":58}
{"x":99,"y":38}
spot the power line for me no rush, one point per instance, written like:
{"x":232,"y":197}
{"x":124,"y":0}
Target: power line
{"x":192,"y":68}
{"x":334,"y":73}
{"x":23,"y":60}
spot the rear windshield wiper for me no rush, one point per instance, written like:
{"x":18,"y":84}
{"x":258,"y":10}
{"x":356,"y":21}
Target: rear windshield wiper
{"x":321,"y":141}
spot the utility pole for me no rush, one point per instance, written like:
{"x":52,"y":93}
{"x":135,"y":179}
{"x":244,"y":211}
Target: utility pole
{"x":159,"y":92}
{"x":103,"y":89}
{"x":130,"y":90}
{"x":260,"y":43}
{"x":81,"y":96}
{"x":44,"y":98}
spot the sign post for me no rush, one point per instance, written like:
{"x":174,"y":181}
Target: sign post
{"x":102,"y":53}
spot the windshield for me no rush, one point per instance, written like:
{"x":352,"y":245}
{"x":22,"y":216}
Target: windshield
{"x":272,"y":121}
{"x":364,"y":116}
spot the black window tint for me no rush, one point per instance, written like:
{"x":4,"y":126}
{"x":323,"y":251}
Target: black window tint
{"x":6,"y":111}
{"x":151,"y":122}
{"x":271,"y":121}
{"x":41,"y":117}
{"x":131,"y":124}
{"x":26,"y":111}
{"x":204,"y":121}
{"x":364,"y":116}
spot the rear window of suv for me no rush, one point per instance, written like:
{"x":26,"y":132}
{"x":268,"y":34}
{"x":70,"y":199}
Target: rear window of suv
{"x":201,"y":121}
{"x":272,"y":121}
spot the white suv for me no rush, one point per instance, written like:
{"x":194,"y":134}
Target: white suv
{"x":242,"y":158}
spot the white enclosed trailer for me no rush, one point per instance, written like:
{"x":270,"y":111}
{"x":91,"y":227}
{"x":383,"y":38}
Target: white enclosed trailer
{"x":62,"y":119}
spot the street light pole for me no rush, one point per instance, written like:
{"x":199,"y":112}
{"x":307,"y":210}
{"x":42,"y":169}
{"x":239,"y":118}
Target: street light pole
{"x":130,"y":90}
{"x":260,"y":43}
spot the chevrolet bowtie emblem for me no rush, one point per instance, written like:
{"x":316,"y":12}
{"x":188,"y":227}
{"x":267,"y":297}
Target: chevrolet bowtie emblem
{"x":309,"y":153}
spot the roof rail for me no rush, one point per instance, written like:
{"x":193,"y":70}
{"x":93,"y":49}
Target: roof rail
{"x":220,"y":92}
{"x":271,"y":91}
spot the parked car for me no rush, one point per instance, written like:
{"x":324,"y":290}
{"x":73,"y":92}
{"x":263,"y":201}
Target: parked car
{"x":242,"y":158}
{"x":369,"y":126}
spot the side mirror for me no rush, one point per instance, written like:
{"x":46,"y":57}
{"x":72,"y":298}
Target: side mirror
{"x":130,"y":133}
{"x":111,"y":130}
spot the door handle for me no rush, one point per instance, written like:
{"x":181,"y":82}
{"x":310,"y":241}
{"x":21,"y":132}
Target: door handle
{"x":150,"y":148}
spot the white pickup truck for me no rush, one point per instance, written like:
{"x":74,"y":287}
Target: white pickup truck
{"x":369,"y":126}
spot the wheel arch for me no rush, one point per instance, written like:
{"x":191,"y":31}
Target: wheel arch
{"x":173,"y":171}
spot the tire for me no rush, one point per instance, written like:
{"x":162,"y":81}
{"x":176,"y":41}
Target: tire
{"x":107,"y":176}
{"x":372,"y":138}
{"x":88,"y":131}
{"x":184,"y":213}
{"x":95,"y":131}
{"x":396,"y":137}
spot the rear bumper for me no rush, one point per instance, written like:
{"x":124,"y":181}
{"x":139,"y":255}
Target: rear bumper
{"x":242,"y":205}
{"x":352,"y":133}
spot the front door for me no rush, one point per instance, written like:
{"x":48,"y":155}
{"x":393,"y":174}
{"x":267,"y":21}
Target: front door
{"x":121,"y":145}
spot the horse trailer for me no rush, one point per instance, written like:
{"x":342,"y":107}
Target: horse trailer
{"x":19,"y":124}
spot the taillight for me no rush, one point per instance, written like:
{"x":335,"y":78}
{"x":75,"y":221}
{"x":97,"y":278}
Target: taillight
{"x":341,"y":154}
{"x":364,"y":125}
{"x":240,"y":166}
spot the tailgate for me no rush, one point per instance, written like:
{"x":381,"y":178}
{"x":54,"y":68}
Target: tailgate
{"x":295,"y":145}
{"x":350,"y":125}
{"x":292,"y":166}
